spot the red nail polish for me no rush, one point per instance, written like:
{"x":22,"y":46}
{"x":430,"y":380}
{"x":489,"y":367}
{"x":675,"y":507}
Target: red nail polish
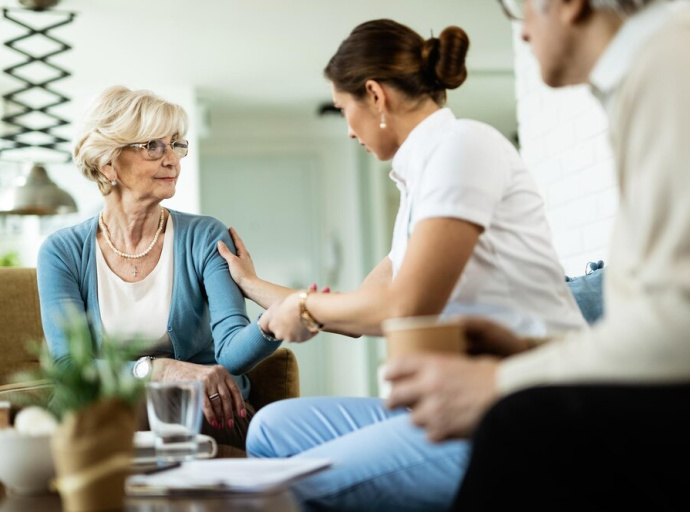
{"x":230,"y":423}
{"x":215,"y":424}
{"x":243,"y":413}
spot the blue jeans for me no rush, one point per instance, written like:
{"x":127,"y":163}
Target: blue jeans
{"x":381,"y":461}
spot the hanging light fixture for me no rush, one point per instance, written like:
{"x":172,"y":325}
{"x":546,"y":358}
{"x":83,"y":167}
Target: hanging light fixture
{"x":37,"y":195}
{"x":29,"y":121}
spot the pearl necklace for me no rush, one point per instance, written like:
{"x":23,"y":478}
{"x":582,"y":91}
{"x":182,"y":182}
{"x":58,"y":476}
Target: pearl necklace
{"x":106,"y":235}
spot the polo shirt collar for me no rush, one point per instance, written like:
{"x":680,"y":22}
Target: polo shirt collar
{"x":419,"y":139}
{"x":619,"y":56}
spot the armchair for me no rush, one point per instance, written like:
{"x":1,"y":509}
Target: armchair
{"x":275,"y":378}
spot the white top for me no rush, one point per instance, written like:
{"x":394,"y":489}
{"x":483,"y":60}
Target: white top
{"x":644,"y":336}
{"x":139,"y":310}
{"x":465,"y":169}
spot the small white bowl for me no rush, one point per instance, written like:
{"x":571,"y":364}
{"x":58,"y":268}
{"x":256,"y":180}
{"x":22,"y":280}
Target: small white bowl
{"x":26,"y":463}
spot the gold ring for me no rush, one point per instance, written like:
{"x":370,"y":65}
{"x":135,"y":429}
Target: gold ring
{"x":214,"y":396}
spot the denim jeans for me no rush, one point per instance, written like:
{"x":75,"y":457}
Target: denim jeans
{"x":381,"y":461}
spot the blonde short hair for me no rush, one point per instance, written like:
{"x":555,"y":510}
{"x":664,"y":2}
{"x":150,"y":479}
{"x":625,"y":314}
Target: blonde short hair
{"x":119,"y":117}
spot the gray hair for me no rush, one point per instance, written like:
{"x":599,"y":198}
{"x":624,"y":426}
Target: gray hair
{"x":117,"y":118}
{"x":622,"y":7}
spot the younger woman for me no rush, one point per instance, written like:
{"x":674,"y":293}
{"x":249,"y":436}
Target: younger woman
{"x":470,"y":233}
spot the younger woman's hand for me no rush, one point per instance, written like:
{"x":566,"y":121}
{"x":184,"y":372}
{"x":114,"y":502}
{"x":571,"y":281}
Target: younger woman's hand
{"x":284,"y":320}
{"x":241,"y":265}
{"x":220,"y":411}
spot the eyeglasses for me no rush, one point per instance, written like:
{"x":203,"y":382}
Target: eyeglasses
{"x":514,"y":9}
{"x":156,"y":148}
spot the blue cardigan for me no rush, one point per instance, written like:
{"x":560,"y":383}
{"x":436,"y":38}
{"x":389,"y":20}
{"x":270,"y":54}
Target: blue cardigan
{"x":207,"y":305}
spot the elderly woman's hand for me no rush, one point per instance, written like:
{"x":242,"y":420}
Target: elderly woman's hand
{"x":218,"y":384}
{"x":284,"y":320}
{"x":241,"y":265}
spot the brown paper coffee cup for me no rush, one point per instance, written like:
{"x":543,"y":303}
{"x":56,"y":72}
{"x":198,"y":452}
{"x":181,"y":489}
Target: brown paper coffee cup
{"x":405,"y":336}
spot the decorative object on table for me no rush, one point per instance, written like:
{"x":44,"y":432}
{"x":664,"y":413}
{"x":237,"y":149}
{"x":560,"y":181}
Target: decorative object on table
{"x":94,"y":395}
{"x":26,"y":466}
{"x":588,"y":291}
{"x":31,"y":117}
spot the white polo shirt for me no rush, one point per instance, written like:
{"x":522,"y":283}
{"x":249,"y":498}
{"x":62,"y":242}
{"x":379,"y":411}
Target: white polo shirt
{"x":465,"y":169}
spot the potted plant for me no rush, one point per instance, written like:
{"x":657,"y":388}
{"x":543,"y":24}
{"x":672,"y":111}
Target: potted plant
{"x":94,"y":397}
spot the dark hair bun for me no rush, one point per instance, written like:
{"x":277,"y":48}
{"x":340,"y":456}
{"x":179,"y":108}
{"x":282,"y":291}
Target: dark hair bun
{"x":444,"y":57}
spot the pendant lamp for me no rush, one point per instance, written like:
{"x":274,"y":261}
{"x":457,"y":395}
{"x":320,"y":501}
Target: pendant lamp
{"x":29,"y":120}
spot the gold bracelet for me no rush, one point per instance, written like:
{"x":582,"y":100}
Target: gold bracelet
{"x":308,"y":321}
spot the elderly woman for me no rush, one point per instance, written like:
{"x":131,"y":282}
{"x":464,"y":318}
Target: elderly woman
{"x":141,"y":271}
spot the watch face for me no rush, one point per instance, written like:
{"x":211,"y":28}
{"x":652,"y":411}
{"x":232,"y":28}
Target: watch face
{"x":142,"y":368}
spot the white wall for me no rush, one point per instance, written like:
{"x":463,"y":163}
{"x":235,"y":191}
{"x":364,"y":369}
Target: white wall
{"x":343,"y":362}
{"x":564,"y":139}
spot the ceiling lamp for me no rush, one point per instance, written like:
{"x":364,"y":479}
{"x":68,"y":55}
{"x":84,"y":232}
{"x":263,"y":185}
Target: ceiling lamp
{"x":36,"y":195}
{"x":29,"y":122}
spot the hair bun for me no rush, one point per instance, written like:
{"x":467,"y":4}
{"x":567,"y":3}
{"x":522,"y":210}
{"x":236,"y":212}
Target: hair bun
{"x":444,"y":57}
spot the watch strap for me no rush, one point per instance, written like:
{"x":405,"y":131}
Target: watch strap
{"x":268,"y":336}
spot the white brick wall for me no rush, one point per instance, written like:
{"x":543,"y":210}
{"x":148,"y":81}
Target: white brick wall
{"x":564,"y":142}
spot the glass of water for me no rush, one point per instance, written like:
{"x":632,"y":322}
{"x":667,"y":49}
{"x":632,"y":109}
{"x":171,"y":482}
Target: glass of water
{"x":174,"y":411}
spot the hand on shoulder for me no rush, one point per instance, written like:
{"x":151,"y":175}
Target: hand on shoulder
{"x":241,"y":265}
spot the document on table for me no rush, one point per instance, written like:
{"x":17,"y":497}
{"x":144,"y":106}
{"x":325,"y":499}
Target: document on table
{"x":225,"y":475}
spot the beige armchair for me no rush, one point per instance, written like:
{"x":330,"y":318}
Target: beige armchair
{"x":275,"y":378}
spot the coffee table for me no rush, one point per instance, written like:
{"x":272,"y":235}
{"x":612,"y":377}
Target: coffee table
{"x":282,"y":501}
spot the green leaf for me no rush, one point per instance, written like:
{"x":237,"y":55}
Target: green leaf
{"x":86,"y":375}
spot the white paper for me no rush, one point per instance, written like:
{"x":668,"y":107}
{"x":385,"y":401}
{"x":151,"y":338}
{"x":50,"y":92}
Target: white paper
{"x":226,"y":475}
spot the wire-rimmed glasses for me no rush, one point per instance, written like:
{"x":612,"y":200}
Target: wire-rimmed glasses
{"x":156,"y":148}
{"x":514,"y":9}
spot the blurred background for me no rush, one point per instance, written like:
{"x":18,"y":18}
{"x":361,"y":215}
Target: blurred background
{"x":311,"y":205}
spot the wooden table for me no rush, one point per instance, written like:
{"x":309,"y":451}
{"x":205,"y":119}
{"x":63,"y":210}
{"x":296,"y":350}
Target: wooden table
{"x":276,"y":502}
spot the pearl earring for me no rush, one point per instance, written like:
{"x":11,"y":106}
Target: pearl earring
{"x":383,"y":124}
{"x":113,"y":182}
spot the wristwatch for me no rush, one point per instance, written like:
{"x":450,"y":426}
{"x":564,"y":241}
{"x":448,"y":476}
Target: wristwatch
{"x":143,"y":367}
{"x":268,"y":336}
{"x":308,"y":321}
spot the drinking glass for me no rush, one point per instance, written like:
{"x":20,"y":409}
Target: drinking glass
{"x":174,"y":411}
